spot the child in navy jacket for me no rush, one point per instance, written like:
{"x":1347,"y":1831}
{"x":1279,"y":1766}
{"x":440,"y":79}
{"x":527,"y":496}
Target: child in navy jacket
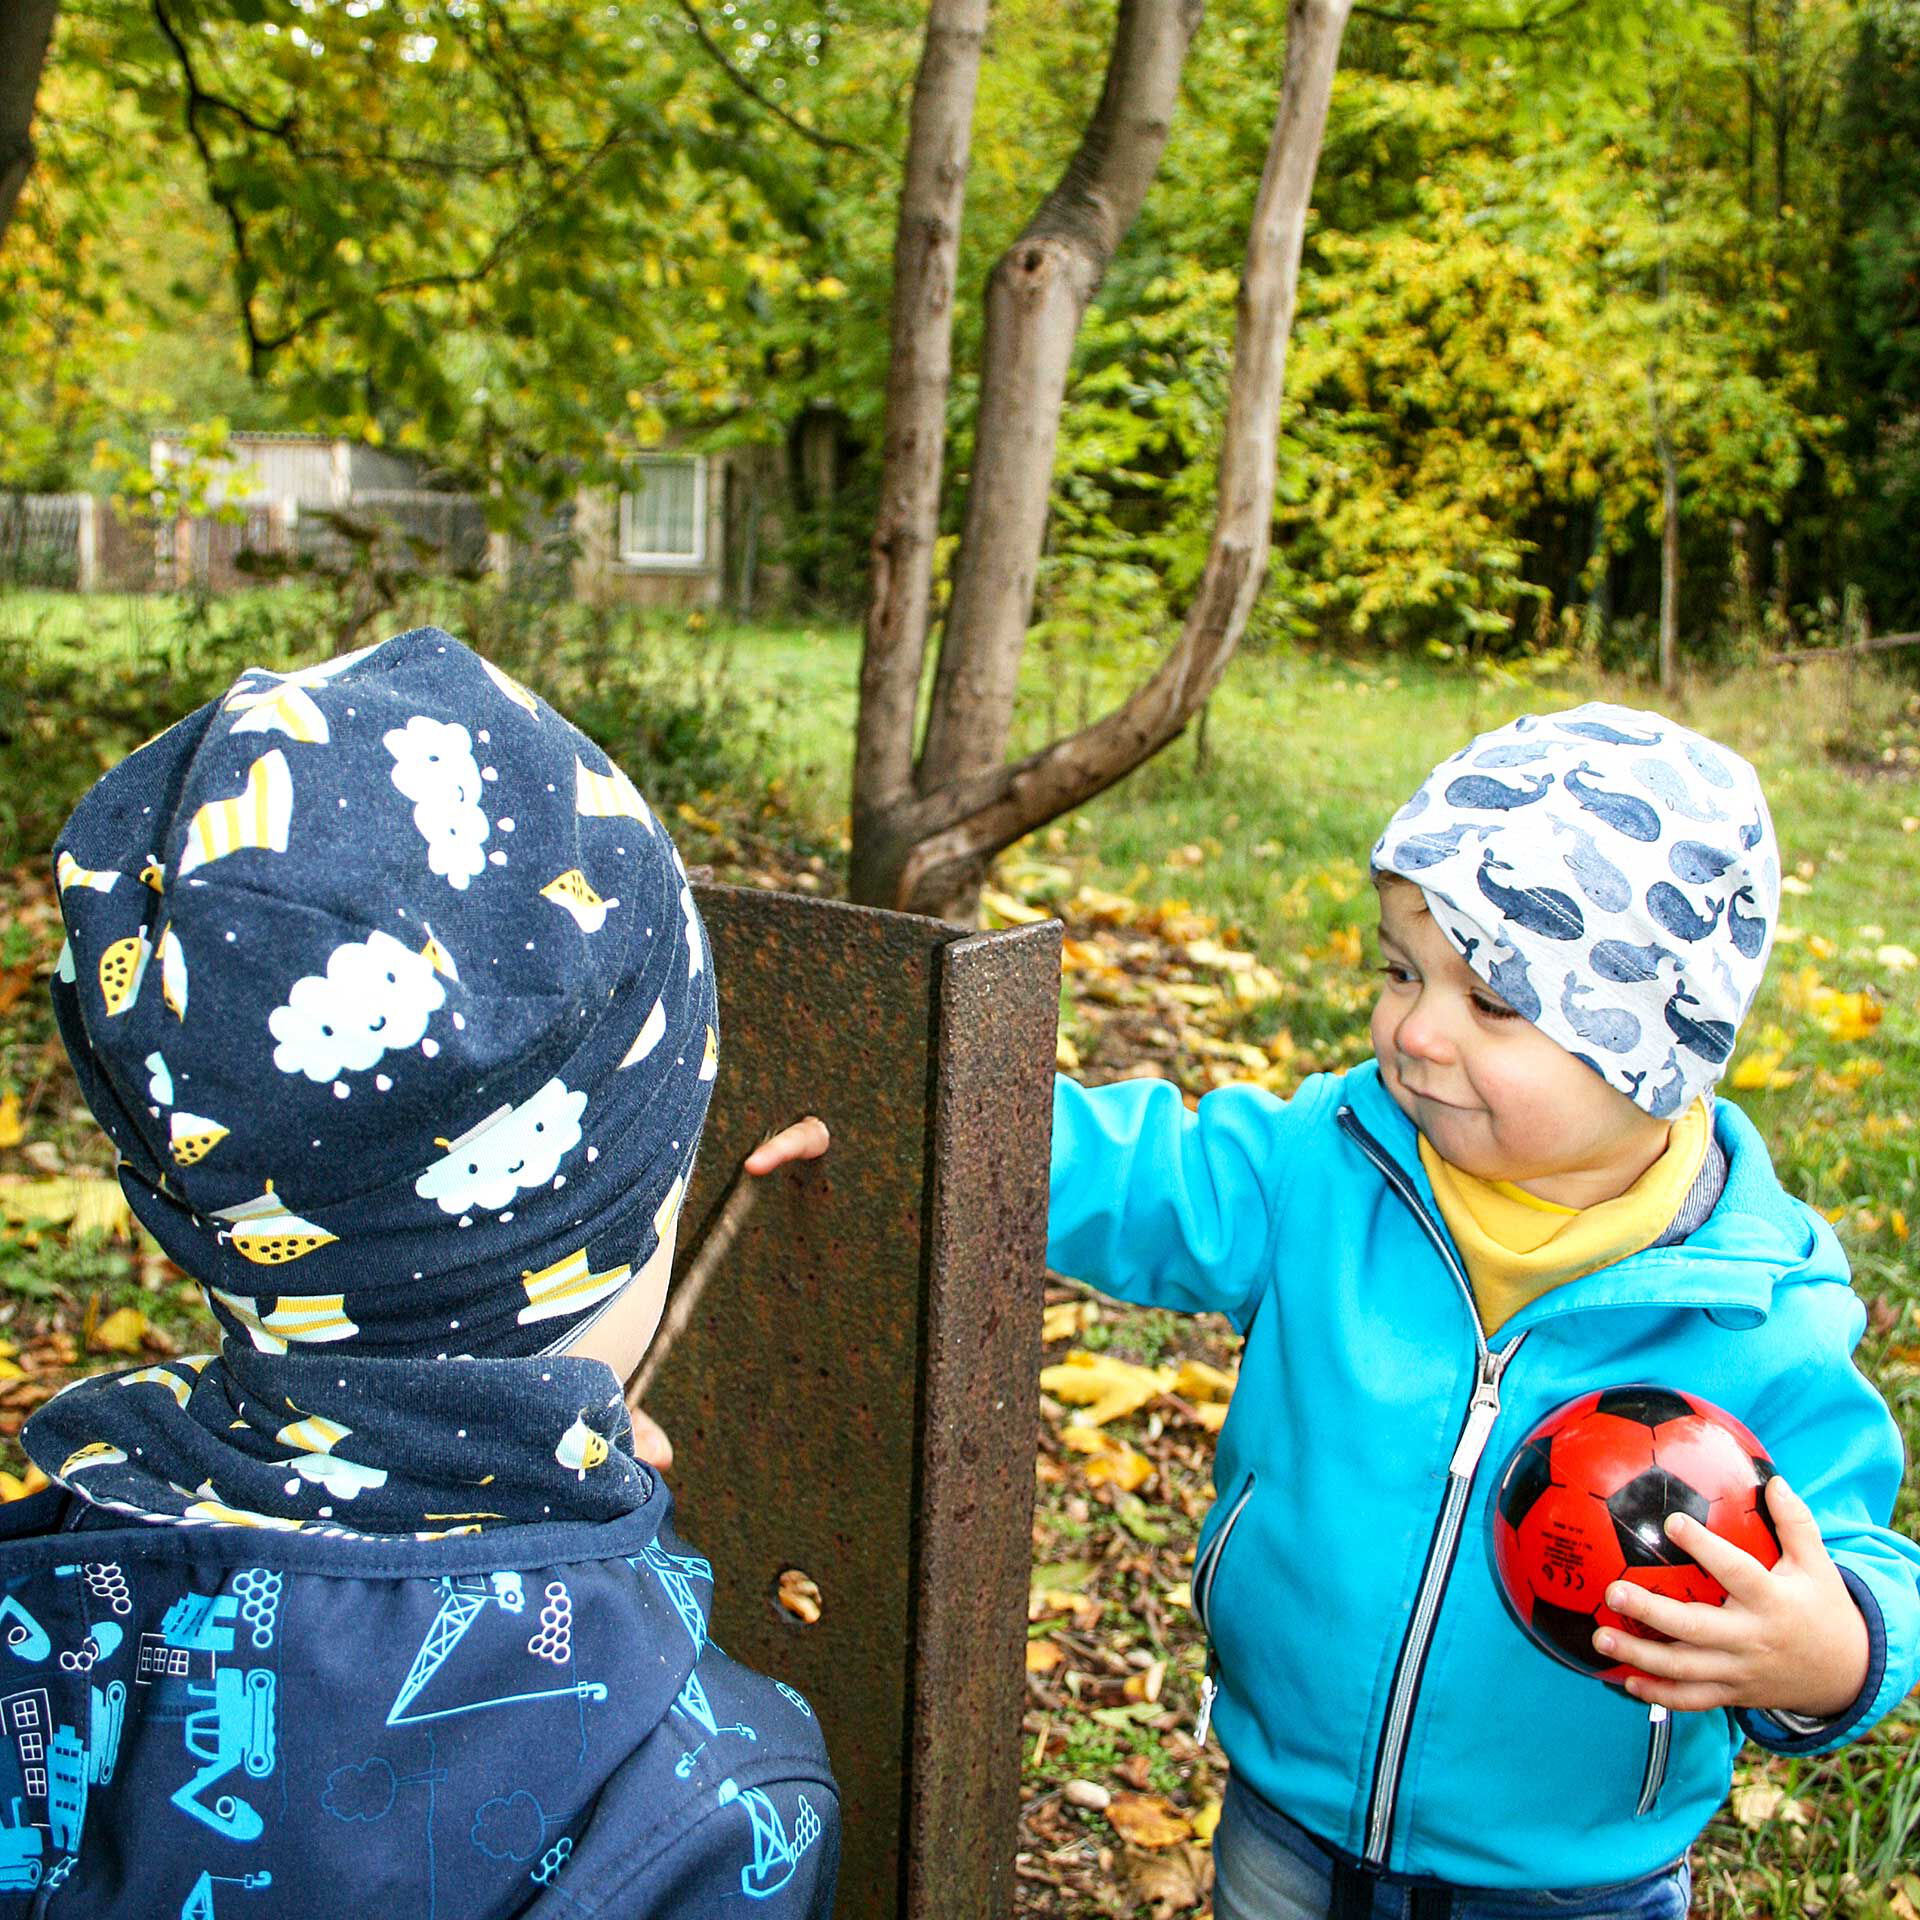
{"x":1529,"y":1193}
{"x":392,"y":995}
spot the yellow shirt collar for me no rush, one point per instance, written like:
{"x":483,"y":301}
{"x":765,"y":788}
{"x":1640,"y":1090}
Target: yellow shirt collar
{"x":1516,"y":1246}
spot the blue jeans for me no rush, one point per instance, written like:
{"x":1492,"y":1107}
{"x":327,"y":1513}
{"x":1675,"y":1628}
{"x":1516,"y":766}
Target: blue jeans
{"x":1266,"y":1868}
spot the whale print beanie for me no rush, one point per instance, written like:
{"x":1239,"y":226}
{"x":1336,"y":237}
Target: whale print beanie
{"x":1611,"y":875}
{"x":390,"y":990}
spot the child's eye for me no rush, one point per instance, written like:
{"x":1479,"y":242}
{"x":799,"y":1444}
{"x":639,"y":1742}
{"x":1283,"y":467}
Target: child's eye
{"x":1493,"y":1008}
{"x":1398,"y":974}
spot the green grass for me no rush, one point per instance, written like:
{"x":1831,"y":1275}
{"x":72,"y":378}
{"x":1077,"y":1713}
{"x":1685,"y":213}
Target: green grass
{"x":1268,"y":833}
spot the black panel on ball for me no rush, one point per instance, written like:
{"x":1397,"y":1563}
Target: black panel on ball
{"x":1570,"y":1634}
{"x":1640,"y":1512}
{"x":1651,"y":1406}
{"x":1529,"y":1475}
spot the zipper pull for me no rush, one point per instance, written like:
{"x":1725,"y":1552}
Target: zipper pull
{"x":1207,"y":1691}
{"x":1481,"y":1414}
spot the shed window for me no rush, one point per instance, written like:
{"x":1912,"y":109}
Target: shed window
{"x":663,"y":521}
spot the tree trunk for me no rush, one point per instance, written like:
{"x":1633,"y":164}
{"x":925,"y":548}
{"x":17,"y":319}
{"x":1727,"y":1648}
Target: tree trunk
{"x":925,"y":852}
{"x":1669,"y":566}
{"x":26,"y":28}
{"x":1036,"y":298}
{"x":925,"y":256}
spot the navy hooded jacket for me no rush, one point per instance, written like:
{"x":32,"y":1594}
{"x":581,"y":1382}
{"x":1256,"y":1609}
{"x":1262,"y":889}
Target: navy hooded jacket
{"x":237,"y":1723}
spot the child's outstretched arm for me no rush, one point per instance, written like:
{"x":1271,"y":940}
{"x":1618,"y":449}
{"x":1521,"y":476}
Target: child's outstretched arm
{"x":1167,"y":1207}
{"x":1808,"y":1653}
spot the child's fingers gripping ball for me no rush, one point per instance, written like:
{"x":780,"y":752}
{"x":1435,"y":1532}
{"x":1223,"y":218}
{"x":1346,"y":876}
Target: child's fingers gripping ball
{"x":1585,"y":1502}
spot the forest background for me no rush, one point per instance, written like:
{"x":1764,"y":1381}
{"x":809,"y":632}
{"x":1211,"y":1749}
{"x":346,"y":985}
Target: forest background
{"x":1560,"y":253}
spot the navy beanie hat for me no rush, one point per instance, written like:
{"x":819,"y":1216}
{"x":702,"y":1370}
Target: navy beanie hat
{"x":391,"y":992}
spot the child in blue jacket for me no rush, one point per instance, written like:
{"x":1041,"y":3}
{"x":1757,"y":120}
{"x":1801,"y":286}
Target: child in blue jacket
{"x":392,"y":995}
{"x":1530,"y":1192}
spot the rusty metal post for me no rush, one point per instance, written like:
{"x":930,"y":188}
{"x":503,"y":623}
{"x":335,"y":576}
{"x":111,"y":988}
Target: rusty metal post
{"x":855,"y":1398}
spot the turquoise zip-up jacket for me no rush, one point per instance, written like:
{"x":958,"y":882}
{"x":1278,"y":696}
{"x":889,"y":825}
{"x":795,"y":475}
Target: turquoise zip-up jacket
{"x":1371,"y":1683}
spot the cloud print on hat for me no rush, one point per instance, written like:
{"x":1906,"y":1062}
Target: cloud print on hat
{"x":433,"y":765}
{"x":374,"y":995}
{"x":508,"y":1152}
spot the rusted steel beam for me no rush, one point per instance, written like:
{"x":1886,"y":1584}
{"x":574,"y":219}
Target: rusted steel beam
{"x":855,"y":1396}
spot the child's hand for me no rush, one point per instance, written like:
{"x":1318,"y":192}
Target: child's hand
{"x":806,"y":1139}
{"x":1788,"y":1637}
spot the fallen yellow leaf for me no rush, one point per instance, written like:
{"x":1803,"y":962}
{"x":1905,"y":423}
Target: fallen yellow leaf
{"x":1210,"y":953}
{"x":1010,"y":912}
{"x":1761,"y":1072}
{"x":1092,"y":903}
{"x":82,"y":1202}
{"x":1148,"y":1820}
{"x":1105,"y":1386}
{"x":1344,"y":945}
{"x":1043,"y":1656}
{"x":1198,"y":1381}
{"x":1204,"y":1822}
{"x":11,"y":1131}
{"x":18,"y":1486}
{"x":1065,"y":1318}
{"x":1126,"y":1467}
{"x":122,"y":1331}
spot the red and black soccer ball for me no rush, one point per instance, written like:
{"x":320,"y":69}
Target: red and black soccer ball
{"x":1584,"y":1502}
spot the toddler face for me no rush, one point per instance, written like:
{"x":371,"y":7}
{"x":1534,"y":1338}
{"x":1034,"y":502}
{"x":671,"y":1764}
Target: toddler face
{"x":1492,"y":1094}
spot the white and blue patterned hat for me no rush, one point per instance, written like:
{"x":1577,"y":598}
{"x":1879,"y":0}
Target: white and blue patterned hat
{"x":1614,"y":877}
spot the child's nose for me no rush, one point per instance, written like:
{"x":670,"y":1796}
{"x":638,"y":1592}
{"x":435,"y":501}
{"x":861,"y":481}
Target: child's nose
{"x":1422,"y":1033}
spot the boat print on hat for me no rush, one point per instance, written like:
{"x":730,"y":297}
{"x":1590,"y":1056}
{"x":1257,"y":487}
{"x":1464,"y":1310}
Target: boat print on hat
{"x":194,"y":1137}
{"x":267,"y":1232}
{"x":259,"y":817}
{"x":122,"y":968}
{"x":68,"y":872}
{"x":607,"y":796}
{"x":581,"y":1449}
{"x":307,"y":1319}
{"x":173,"y":973}
{"x":573,"y":892}
{"x":567,"y":1286}
{"x":282,"y":707}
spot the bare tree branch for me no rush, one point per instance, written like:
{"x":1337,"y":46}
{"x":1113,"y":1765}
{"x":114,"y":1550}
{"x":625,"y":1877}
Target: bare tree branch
{"x":1531,"y":27}
{"x":1037,"y":297}
{"x":718,"y":54}
{"x":197,"y":101}
{"x":943,"y":836}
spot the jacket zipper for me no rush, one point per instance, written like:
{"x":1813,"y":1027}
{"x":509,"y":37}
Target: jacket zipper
{"x":1205,"y":1573}
{"x":1483,"y":1410}
{"x":1659,"y":1745}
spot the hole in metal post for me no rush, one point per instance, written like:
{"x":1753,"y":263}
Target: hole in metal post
{"x":797,"y":1596}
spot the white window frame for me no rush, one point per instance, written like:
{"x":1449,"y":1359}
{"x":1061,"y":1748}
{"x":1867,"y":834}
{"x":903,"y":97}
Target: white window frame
{"x":638,"y":557}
